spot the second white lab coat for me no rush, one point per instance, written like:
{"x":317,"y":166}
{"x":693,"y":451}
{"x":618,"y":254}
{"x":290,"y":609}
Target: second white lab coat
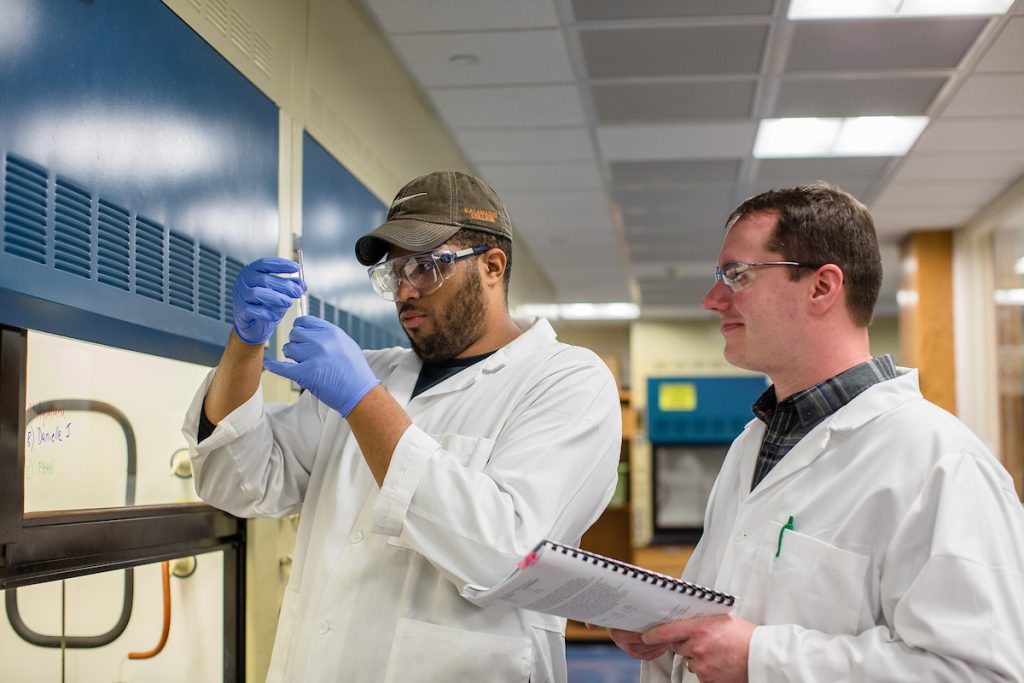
{"x":906,"y":558}
{"x":522,"y":446}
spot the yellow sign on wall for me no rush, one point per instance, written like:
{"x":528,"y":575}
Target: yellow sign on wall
{"x":677,"y":396}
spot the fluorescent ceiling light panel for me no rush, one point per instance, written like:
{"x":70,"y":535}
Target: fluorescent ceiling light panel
{"x":850,"y":9}
{"x":1009,"y":297}
{"x":611,"y":311}
{"x":859,"y":136}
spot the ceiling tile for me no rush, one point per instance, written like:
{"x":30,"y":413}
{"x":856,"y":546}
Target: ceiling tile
{"x":684,"y":241}
{"x":553,"y":144}
{"x":657,"y":222}
{"x":604,"y":10}
{"x":682,"y":199}
{"x":672,"y":292}
{"x":1007,"y":52}
{"x":856,"y":175}
{"x":612,"y":53}
{"x":972,"y":135}
{"x":672,"y":101}
{"x":586,"y":220}
{"x":729,"y":140}
{"x":505,"y":58}
{"x":881,"y":44}
{"x":858,"y":187}
{"x":673,"y":173}
{"x":856,"y":97}
{"x":563,"y":201}
{"x":595,"y":290}
{"x":675,"y":269}
{"x":516,"y":107}
{"x":916,"y":193}
{"x":989,"y":95}
{"x":967,"y":166}
{"x":402,"y":16}
{"x":504,"y":177}
{"x":793,"y":172}
{"x":896,"y":222}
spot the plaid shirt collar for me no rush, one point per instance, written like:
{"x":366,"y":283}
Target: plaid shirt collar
{"x":791,"y":419}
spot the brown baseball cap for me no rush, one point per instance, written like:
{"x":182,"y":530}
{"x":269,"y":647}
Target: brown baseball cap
{"x":432,"y":208}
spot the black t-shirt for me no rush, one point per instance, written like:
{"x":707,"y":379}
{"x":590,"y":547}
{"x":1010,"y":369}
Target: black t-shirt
{"x":431,"y":374}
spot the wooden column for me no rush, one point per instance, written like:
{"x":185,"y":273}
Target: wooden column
{"x":926,"y":314}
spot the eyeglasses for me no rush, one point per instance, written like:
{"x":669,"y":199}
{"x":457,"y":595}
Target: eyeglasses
{"x":425,"y":271}
{"x":737,"y":276}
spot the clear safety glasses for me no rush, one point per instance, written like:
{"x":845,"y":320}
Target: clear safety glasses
{"x":425,"y":271}
{"x":737,"y":276}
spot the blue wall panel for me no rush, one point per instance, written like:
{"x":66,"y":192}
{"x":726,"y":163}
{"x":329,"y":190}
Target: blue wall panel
{"x":336,"y":211}
{"x":139,"y":171}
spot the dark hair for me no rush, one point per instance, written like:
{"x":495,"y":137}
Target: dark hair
{"x":819,"y":223}
{"x":467,"y":237}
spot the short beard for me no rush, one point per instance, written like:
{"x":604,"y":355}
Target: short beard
{"x":457,"y":327}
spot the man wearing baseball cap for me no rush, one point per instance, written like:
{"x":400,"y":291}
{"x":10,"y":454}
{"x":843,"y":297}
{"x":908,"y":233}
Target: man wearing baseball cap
{"x":417,"y":471}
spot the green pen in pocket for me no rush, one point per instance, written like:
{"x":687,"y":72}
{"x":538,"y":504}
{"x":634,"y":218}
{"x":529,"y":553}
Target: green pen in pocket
{"x":787,"y":525}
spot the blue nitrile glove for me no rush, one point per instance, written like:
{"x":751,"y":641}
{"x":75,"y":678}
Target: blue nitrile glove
{"x":328,"y":364}
{"x":260,"y":298}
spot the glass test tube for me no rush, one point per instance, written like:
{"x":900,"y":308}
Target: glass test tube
{"x":302,"y":274}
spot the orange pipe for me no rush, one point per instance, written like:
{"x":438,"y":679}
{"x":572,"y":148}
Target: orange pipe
{"x":166,"y":570}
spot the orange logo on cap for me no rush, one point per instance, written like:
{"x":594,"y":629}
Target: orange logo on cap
{"x":480,"y":214}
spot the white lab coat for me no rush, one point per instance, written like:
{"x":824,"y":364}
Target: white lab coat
{"x":906,"y":561}
{"x":517,"y":448}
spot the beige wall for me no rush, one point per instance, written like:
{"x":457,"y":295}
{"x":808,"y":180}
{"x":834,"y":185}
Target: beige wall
{"x":605,"y":339}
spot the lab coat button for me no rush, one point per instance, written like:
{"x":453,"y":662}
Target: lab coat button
{"x":356,"y":537}
{"x":324,"y":627}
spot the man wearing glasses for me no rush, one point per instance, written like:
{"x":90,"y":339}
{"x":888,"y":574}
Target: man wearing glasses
{"x":416,"y":471}
{"x":867,"y":534}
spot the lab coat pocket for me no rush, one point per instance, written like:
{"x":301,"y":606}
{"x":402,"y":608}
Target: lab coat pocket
{"x":468,"y":451}
{"x":427,"y":653}
{"x":813,"y":583}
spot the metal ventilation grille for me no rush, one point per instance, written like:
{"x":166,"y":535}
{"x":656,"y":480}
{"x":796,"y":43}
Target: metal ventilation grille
{"x":218,"y":13}
{"x":60,"y":226}
{"x":149,"y":259}
{"x":25,"y":210}
{"x":314,"y":306}
{"x":112,"y":253}
{"x":231,"y":270}
{"x":71,"y":229}
{"x":210,"y":279}
{"x":344,"y":321}
{"x":181,"y":275}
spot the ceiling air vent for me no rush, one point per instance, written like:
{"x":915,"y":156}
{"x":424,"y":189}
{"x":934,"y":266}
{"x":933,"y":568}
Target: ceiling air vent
{"x":72,"y":229}
{"x":25,"y":209}
{"x":149,"y":259}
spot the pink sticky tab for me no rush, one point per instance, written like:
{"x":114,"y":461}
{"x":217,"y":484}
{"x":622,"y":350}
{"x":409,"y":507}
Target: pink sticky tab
{"x":528,"y":561}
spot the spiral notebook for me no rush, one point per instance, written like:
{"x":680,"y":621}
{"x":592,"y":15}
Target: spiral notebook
{"x":578,"y":584}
